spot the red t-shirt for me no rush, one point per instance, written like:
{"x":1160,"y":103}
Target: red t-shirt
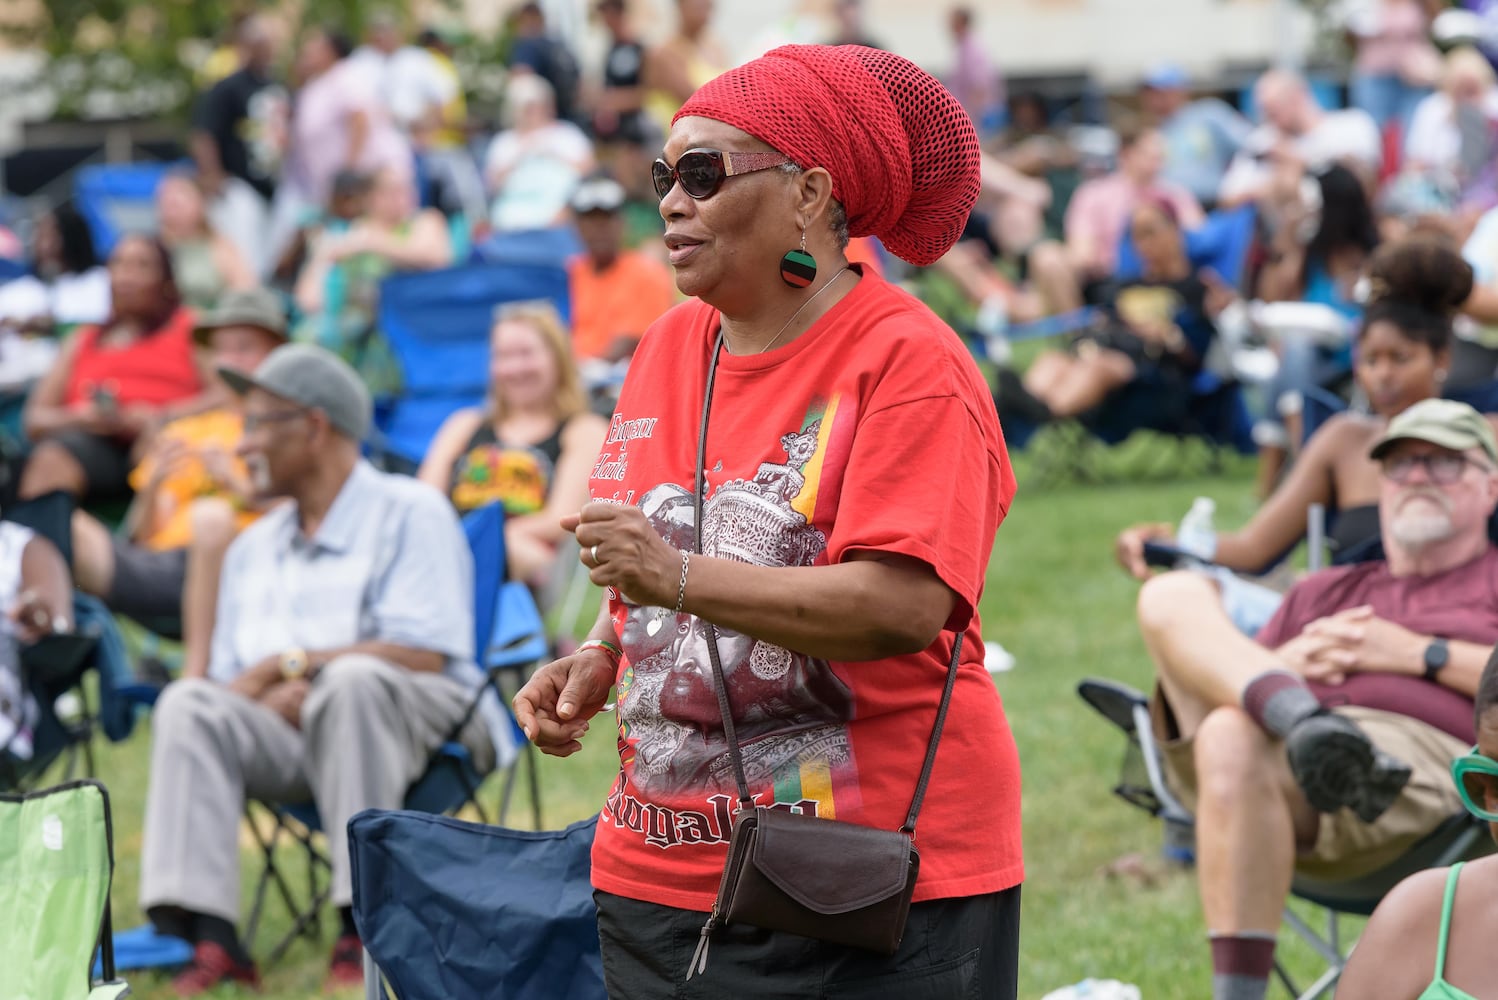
{"x":1461,"y":604}
{"x":873,"y":431}
{"x":153,"y":370}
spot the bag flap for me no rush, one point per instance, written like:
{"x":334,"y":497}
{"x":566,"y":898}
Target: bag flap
{"x":827,"y":866}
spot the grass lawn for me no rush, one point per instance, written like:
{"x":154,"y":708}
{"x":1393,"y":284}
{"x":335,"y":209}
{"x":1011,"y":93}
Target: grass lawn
{"x":1056,"y":601}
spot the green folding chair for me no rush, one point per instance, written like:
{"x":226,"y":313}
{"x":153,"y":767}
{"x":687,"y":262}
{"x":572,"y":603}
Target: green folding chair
{"x":56,"y":866}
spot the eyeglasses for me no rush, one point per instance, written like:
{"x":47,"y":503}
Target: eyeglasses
{"x":1476,"y":778}
{"x":700,"y":172}
{"x":254,"y":421}
{"x":1441,"y":467}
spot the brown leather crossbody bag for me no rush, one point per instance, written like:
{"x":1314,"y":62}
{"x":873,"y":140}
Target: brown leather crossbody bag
{"x":819,"y":878}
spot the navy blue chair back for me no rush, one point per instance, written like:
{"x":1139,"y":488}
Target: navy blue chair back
{"x":455,"y":909}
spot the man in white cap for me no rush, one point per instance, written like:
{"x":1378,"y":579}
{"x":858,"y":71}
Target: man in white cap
{"x":342,"y":658}
{"x":616,"y":292}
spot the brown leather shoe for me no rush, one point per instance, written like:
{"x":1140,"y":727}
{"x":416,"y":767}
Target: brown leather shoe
{"x":212,"y":965}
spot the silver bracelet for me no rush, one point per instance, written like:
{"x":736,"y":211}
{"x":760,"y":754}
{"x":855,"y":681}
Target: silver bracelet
{"x":681,"y":590}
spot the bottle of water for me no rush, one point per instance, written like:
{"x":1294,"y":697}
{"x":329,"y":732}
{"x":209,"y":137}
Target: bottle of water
{"x":1196,"y":535}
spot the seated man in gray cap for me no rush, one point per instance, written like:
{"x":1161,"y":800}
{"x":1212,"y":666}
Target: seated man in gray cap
{"x":342,"y":658}
{"x":1324,"y":746}
{"x":192,"y":496}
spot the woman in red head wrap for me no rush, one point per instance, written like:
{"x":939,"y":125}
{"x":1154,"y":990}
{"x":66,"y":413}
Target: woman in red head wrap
{"x":852,"y":475}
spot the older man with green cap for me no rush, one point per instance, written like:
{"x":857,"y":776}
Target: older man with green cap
{"x":1321,"y":746}
{"x":342,"y":658}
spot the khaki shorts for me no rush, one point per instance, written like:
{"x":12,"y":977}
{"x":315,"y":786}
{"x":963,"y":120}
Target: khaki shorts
{"x":1345,"y":846}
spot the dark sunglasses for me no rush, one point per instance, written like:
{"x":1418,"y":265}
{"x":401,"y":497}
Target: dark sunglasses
{"x":1442,"y":467}
{"x":700,"y":172}
{"x":1476,"y":778}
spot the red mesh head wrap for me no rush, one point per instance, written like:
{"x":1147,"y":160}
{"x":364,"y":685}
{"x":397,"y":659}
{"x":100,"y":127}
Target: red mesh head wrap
{"x":902,"y":153}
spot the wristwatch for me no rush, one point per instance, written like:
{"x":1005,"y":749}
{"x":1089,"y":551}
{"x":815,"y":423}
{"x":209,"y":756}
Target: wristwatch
{"x":1437,"y":655}
{"x":293,"y":664}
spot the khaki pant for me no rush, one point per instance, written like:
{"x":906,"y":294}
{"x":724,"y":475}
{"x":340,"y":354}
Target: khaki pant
{"x":1345,"y":846}
{"x":368,"y":730}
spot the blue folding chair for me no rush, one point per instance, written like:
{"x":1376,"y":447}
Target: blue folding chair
{"x":1221,"y":243}
{"x":549,"y":247}
{"x":118,"y":198}
{"x":438,"y":323}
{"x":453,"y":909}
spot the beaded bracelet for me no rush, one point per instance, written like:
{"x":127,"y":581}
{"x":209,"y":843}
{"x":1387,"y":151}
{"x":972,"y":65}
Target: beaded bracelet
{"x":614,"y":652}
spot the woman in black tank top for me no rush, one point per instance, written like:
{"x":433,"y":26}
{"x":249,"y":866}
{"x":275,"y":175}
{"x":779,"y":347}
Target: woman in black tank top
{"x":530,"y":446}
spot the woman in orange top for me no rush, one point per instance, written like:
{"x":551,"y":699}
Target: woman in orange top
{"x":113,"y":385}
{"x":193,"y":496}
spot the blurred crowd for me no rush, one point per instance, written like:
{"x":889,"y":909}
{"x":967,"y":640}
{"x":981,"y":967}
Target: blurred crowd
{"x":1299,"y":244}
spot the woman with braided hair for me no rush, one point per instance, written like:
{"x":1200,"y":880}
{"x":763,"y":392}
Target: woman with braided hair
{"x":836,"y":473}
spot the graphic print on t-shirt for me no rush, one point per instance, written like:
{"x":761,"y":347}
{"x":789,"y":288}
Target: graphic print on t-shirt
{"x":791,"y":711}
{"x":517,"y":477}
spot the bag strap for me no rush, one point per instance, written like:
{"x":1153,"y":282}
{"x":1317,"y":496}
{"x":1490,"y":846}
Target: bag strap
{"x":699,"y":487}
{"x":720,"y":684}
{"x":936,"y":728}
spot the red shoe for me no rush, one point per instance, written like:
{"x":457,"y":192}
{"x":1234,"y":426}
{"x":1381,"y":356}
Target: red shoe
{"x":212,"y":965}
{"x":347,"y":968}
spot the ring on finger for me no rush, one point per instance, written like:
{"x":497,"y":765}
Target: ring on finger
{"x":594,"y":553}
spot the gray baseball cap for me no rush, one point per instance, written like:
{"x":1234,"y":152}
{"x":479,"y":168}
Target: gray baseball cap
{"x":312,"y":377}
{"x":257,"y":307}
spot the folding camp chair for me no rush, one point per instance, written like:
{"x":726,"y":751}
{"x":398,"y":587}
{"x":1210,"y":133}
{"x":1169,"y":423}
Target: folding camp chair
{"x":118,"y":198}
{"x":453,"y":909}
{"x":438,"y":324}
{"x":1142,"y":783}
{"x":511,"y":639}
{"x":55,"y":666}
{"x":55,"y":875}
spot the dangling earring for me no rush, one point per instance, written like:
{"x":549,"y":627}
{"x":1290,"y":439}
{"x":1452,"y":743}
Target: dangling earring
{"x":798,"y":268}
{"x":1440,"y":374}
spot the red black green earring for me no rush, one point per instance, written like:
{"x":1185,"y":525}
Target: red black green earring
{"x":798,"y":268}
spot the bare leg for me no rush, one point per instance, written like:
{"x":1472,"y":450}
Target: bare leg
{"x":1018,"y":224}
{"x":52,"y":467}
{"x":1088,"y":381}
{"x":1250,"y":815}
{"x":1053,"y":276}
{"x":1249,"y":819}
{"x":1202,"y":661}
{"x":213,"y":528}
{"x":966,"y":264}
{"x":93,"y":555}
{"x":1295,"y":429}
{"x":1272,"y":460}
{"x":1046,"y":372}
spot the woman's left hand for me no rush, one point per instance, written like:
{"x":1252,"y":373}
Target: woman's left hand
{"x":622,"y":550}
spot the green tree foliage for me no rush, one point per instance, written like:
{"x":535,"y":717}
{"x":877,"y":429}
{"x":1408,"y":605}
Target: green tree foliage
{"x":128,"y":57}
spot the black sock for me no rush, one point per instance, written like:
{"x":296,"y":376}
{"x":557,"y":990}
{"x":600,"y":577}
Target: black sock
{"x":172,"y":921}
{"x":222,"y":933}
{"x":346,"y":917}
